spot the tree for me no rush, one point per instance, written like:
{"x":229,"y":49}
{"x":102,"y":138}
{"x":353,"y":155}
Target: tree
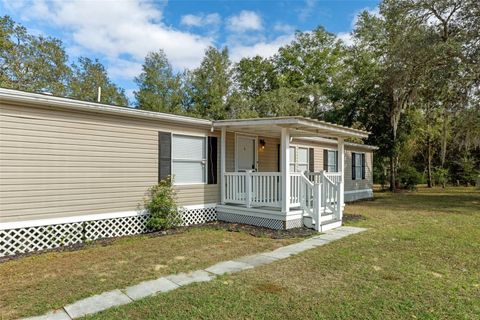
{"x":209,"y":85}
{"x":31,"y":63}
{"x":159,"y":89}
{"x":312,"y":64}
{"x":87,"y":76}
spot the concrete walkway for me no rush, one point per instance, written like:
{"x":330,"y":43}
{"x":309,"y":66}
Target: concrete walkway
{"x":144,"y":289}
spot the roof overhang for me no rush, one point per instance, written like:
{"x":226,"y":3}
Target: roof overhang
{"x":43,"y":100}
{"x":300,"y":127}
{"x":334,"y":142}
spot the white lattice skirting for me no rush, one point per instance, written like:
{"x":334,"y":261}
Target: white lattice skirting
{"x":37,"y":238}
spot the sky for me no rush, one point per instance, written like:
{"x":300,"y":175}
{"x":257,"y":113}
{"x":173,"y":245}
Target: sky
{"x":121,"y":32}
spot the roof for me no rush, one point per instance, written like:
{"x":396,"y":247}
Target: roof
{"x":335,"y":142}
{"x":40,"y":99}
{"x":299,"y":126}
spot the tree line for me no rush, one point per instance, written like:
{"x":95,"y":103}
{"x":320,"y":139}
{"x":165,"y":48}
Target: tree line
{"x":411,"y":77}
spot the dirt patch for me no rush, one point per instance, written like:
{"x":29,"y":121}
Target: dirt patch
{"x":217,"y":225}
{"x":261,"y":231}
{"x":352,"y":217}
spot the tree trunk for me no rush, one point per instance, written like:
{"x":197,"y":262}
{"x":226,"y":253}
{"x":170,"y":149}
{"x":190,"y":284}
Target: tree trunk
{"x":392,"y":173}
{"x":443,"y":153}
{"x":429,"y":162}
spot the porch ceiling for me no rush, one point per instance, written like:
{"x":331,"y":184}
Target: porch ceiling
{"x":299,"y":127}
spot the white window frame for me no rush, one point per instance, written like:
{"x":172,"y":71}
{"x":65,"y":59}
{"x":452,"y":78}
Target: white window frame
{"x":328,"y":163}
{"x":204,"y":161}
{"x":295,"y":160}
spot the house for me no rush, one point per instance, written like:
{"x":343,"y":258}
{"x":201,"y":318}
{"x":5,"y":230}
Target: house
{"x":72,"y":170}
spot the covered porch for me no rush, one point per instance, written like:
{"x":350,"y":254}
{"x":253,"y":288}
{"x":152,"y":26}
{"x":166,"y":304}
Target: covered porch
{"x":290,"y":196}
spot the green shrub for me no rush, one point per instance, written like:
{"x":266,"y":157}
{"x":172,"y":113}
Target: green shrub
{"x":440,"y":176}
{"x":160,"y":204}
{"x":409,"y":177}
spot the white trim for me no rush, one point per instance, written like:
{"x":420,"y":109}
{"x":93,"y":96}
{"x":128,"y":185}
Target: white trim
{"x":63,"y":220}
{"x":335,"y":142}
{"x":358,"y":191}
{"x":199,"y":206}
{"x":237,"y":135}
{"x":204,"y":161}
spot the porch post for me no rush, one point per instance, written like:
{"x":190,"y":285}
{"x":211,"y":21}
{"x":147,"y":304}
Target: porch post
{"x":341,"y":168}
{"x":285,"y":168}
{"x":222,"y":164}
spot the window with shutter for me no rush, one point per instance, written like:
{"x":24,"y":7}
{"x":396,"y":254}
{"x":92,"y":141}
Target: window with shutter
{"x":189,"y":159}
{"x":358,"y":166}
{"x":330,"y":160}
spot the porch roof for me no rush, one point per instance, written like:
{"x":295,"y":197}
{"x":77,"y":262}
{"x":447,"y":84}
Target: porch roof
{"x":299,"y":127}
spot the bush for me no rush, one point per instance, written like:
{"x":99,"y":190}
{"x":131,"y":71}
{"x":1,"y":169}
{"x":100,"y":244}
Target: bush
{"x":440,"y":176}
{"x":160,"y":204}
{"x":409,"y":177}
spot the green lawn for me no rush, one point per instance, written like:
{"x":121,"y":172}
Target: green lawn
{"x":36,"y":284}
{"x":420,"y":259}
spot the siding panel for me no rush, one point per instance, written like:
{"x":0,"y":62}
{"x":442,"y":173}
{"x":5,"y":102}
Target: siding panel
{"x":56,"y":163}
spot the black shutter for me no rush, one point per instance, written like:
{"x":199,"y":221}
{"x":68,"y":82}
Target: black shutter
{"x":325,"y":160}
{"x":311,"y":160}
{"x":363,"y":165}
{"x":336,"y":161}
{"x":353,"y":165}
{"x":212,"y":160}
{"x":164,"y":155}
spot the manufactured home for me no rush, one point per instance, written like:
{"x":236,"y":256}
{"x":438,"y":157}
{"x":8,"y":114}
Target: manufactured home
{"x":72,"y":171}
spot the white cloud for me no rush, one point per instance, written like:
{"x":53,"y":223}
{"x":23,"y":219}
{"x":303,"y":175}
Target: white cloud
{"x":283,"y":28}
{"x":262,"y":48}
{"x":200,"y":20}
{"x":245,"y":21}
{"x":346,"y":38}
{"x":124,"y":28}
{"x":307,"y":10}
{"x":372,"y":11}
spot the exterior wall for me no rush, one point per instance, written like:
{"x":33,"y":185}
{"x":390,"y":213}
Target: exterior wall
{"x":267,"y":158}
{"x":56,"y":163}
{"x":354,"y":189}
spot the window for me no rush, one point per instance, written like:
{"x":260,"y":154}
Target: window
{"x":189,"y":159}
{"x":358,"y":166}
{"x":299,"y":159}
{"x":302,"y":159}
{"x":330,"y":161}
{"x":292,"y":159}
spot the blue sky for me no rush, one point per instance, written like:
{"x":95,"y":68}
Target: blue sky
{"x":120,"y":33}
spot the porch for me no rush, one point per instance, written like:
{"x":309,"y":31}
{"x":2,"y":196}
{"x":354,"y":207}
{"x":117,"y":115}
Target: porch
{"x":290,"y":197}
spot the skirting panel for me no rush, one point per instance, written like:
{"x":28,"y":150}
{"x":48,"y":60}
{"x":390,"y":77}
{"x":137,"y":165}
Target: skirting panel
{"x":358,"y":195}
{"x":297,"y":223}
{"x":198,"y":215}
{"x":256,"y":221}
{"x":38,"y":238}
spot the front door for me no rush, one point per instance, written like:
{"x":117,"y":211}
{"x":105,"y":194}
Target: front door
{"x":246,"y":153}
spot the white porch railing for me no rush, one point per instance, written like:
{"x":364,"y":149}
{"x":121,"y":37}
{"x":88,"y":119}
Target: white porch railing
{"x":317,"y":193}
{"x":253,"y":188}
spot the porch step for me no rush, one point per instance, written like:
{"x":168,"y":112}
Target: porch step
{"x":324,"y":225}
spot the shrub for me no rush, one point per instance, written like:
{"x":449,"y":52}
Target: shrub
{"x":440,"y":176}
{"x":409,"y":177}
{"x":160,"y":204}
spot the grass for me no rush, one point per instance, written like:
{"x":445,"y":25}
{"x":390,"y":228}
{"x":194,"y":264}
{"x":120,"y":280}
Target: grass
{"x":420,"y":259}
{"x":35,"y":284}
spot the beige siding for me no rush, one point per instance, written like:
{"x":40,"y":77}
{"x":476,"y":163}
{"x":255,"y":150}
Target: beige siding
{"x":267,"y":158}
{"x":366,"y":183}
{"x":350,"y":184}
{"x":57,"y":163}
